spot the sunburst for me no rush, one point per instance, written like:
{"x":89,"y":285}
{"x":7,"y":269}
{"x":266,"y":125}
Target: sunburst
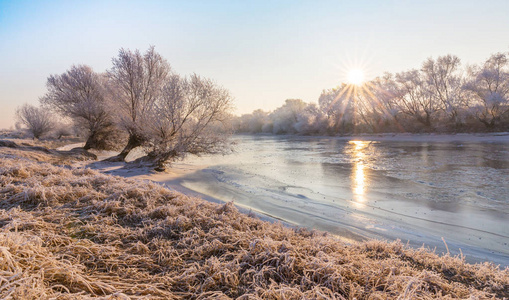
{"x":356,"y":77}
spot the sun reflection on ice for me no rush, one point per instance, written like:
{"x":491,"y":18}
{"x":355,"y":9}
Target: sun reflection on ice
{"x":359,"y":171}
{"x":359,"y":186}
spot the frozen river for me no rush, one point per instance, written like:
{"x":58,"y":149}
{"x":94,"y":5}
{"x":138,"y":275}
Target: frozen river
{"x":418,"y":190}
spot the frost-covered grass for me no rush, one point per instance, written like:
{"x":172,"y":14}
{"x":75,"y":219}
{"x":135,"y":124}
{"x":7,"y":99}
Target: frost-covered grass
{"x":76,"y":233}
{"x":17,"y":149}
{"x":23,"y":138}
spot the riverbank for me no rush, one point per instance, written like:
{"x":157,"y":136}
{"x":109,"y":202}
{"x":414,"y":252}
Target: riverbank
{"x":76,"y":233}
{"x":344,"y":213}
{"x":399,"y":187}
{"x":365,"y":193}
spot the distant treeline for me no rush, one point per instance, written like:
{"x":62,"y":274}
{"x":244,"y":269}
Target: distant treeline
{"x":442,"y":96}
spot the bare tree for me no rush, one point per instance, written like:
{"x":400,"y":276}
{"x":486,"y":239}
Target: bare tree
{"x":37,"y":120}
{"x":489,"y":85}
{"x":445,"y":81}
{"x":79,"y":94}
{"x":253,"y":122}
{"x":190,"y":116}
{"x":368,"y":108}
{"x":285,"y":117}
{"x":136,"y":82}
{"x":310,"y":120}
{"x":415,"y":98}
{"x":337,"y":106}
{"x":438,"y":94}
{"x":384,"y":91}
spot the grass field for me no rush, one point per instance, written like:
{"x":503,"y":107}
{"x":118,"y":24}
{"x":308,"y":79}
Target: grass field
{"x":72,"y":233}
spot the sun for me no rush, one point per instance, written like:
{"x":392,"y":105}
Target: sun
{"x":356,"y":77}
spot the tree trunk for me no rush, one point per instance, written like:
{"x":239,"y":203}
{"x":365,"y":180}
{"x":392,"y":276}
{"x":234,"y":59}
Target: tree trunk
{"x":91,"y":142}
{"x":133,"y":142}
{"x":161,"y":160}
{"x":98,"y":139}
{"x":489,"y":125}
{"x":156,"y":160}
{"x":426,"y":121}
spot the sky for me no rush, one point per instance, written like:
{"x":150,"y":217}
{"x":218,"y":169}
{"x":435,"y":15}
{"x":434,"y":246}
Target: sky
{"x":262,"y":51}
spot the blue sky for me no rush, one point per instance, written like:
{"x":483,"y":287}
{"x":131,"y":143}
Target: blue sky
{"x":262,"y":51}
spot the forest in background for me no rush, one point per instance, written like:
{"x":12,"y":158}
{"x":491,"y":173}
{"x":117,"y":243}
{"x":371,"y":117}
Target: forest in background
{"x":442,"y":96}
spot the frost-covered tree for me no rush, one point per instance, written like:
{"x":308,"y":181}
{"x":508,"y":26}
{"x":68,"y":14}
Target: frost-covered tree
{"x":489,"y":86}
{"x":136,"y":81}
{"x":190,"y":116}
{"x":38,"y":121}
{"x":436,"y":97}
{"x":80,"y":95}
{"x":310,"y":120}
{"x":445,"y":81}
{"x":384,"y":91}
{"x":415,"y":98}
{"x":368,"y":108}
{"x":285,"y":117}
{"x":254,"y":122}
{"x":337,"y":106}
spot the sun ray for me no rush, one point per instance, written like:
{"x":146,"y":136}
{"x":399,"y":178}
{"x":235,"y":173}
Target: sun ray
{"x":369,"y":87}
